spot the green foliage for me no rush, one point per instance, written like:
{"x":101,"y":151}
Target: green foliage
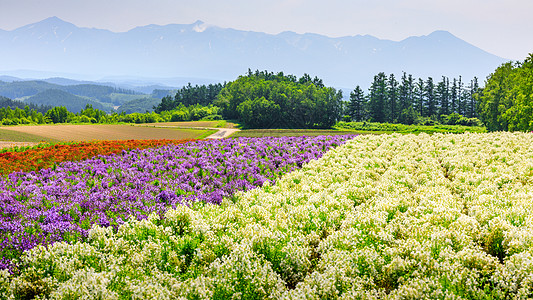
{"x":506,"y":101}
{"x":139,"y":105}
{"x":267,"y":100}
{"x":378,"y":98}
{"x":71,"y":102}
{"x":356,"y":109}
{"x":259,"y":112}
{"x":402,"y":128}
{"x":457,"y":119}
{"x":18,"y":89}
{"x":410,"y":102}
{"x":189,"y":95}
{"x":57,"y":114}
{"x":6,"y":102}
{"x":9,"y":116}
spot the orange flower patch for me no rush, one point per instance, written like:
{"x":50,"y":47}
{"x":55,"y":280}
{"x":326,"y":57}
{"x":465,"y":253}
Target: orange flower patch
{"x":40,"y":158}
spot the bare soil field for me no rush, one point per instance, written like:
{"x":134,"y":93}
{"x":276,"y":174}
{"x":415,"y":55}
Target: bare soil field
{"x":5,"y":144}
{"x":65,"y":133}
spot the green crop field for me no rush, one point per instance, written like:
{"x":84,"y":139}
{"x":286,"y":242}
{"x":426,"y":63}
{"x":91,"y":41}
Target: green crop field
{"x":286,"y":132}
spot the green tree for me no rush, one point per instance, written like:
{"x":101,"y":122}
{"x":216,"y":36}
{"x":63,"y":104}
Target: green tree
{"x":303,"y":103}
{"x":377,"y":98}
{"x":57,"y":114}
{"x":430,"y":101}
{"x":406,"y":92}
{"x":453,"y":97}
{"x":259,"y":113}
{"x":505,"y":103}
{"x":518,"y":105}
{"x":392,"y":99}
{"x":461,"y":107}
{"x":443,"y":96}
{"x":419,"y":98}
{"x":471,"y":107}
{"x":357,"y":105}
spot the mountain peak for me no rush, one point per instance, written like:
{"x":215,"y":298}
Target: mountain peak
{"x":199,"y":26}
{"x":51,"y":22}
{"x":441,"y":34}
{"x":54,"y":21}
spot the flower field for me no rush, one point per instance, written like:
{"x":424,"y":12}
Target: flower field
{"x":62,"y":203}
{"x":387,"y":216}
{"x":38,"y":158}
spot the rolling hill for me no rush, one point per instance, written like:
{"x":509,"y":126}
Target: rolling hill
{"x":73,"y":103}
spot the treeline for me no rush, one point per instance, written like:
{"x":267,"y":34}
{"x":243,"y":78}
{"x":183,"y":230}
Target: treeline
{"x":506,"y":101}
{"x":6,"y":102}
{"x":60,"y":114}
{"x":415,"y":101}
{"x":190,"y":95}
{"x":16,"y":112}
{"x":268,"y":100}
{"x":260,"y":99}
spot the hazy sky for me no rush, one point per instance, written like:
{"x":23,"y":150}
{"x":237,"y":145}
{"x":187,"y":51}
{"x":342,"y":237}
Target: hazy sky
{"x":501,"y":27}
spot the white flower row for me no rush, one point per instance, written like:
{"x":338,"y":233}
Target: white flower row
{"x":388,"y":216}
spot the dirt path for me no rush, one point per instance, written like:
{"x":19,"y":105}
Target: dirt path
{"x":222,"y":133}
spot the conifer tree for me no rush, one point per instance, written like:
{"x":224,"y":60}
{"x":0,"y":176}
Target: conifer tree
{"x":419,"y":97}
{"x":392,"y":99}
{"x":442,"y":95}
{"x":357,"y":105}
{"x":377,"y":98}
{"x":429,"y":93}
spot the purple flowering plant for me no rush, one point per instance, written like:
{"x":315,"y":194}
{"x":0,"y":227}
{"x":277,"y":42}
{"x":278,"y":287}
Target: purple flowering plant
{"x":62,"y":203}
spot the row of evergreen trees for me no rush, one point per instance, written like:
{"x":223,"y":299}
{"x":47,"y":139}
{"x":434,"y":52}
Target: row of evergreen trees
{"x":409,"y":100}
{"x":190,"y":95}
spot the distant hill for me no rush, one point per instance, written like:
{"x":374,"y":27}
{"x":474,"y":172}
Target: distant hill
{"x":8,"y":78}
{"x":106,"y":96}
{"x":139,"y":105}
{"x":200,"y":50}
{"x":6,"y":102}
{"x":72,"y":102}
{"x":19,"y":89}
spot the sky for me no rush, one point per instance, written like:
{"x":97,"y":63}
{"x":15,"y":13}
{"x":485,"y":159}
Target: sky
{"x":500,"y":27}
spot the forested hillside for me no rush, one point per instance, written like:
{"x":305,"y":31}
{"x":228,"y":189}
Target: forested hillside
{"x":140,"y":105}
{"x":72,"y":102}
{"x":6,"y":102}
{"x":99,"y":95}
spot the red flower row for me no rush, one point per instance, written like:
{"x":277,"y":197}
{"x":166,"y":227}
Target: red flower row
{"x":40,"y":158}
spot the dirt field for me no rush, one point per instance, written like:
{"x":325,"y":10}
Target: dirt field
{"x":4,"y":144}
{"x":66,"y":133}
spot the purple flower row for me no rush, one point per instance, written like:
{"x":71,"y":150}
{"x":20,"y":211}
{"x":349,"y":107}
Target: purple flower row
{"x":62,"y":203}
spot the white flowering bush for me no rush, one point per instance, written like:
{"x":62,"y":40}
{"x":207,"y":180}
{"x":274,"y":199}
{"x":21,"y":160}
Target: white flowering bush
{"x":389,"y":216}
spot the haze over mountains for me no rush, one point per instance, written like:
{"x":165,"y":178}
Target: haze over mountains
{"x":213,"y":54}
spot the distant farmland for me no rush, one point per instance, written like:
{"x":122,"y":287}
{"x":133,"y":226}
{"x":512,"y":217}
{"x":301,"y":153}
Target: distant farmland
{"x":64,"y":133}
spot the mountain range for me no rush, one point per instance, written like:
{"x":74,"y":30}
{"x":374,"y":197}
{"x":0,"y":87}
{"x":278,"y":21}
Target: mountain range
{"x":211,"y":53}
